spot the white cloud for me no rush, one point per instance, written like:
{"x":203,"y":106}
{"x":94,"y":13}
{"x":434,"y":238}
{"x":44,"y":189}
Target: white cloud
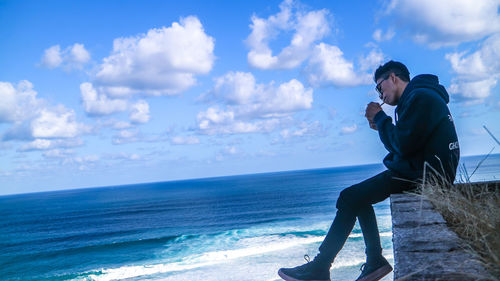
{"x":471,"y":65}
{"x":8,"y":97}
{"x":52,"y":57}
{"x":140,"y":112}
{"x":251,"y":107}
{"x":236,"y":88}
{"x":163,"y":61}
{"x":56,"y":124}
{"x":473,"y":92}
{"x":18,"y":103}
{"x":214,"y":116}
{"x":327,"y":66}
{"x":72,"y":57}
{"x":304,"y":129}
{"x":477,"y":73}
{"x":349,"y":129}
{"x":38,"y":144}
{"x":379,"y":35}
{"x":119,"y":125}
{"x":99,"y":104}
{"x":326,"y":63}
{"x":289,"y":97}
{"x":308,"y":27}
{"x":371,"y":61}
{"x":87,"y":159}
{"x":82,"y":162}
{"x":480,"y":64}
{"x":446,"y":22}
{"x":226,"y":151}
{"x":51,"y":144}
{"x":126,"y":136}
{"x":180,"y":140}
{"x":247,"y":98}
{"x":217,"y":121}
{"x":33,"y":118}
{"x":78,"y":54}
{"x":59,"y":153}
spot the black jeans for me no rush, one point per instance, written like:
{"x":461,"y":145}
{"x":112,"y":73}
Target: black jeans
{"x":357,"y":201}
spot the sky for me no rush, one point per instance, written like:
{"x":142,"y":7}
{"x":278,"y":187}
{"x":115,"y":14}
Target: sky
{"x":99,"y":93}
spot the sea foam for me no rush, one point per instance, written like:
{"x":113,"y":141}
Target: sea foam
{"x":250,"y":247}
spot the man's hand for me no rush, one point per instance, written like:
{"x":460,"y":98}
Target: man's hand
{"x":371,"y":110}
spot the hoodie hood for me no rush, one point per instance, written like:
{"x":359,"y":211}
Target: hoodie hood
{"x":428,"y":81}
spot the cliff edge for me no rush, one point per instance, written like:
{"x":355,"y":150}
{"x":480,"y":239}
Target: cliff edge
{"x":424,"y":247}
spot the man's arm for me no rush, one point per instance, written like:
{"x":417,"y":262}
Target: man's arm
{"x":374,"y":109}
{"x":384,"y":121}
{"x":371,"y":110}
{"x":415,"y":124}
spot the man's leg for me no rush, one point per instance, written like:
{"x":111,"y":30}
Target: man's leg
{"x":376,"y":266}
{"x":357,"y":201}
{"x":368,"y":223}
{"x":340,"y":229}
{"x":352,"y":202}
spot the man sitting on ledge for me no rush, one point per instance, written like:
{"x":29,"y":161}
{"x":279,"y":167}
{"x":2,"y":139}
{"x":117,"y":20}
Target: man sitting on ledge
{"x":423,"y":134}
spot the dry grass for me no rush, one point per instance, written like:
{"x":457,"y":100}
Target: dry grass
{"x":472,"y":210}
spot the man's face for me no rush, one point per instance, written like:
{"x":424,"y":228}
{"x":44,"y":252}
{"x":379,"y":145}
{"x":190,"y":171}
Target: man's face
{"x":387,"y":89}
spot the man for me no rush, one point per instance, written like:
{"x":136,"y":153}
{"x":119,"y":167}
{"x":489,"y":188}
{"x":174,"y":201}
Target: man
{"x":423,"y":135}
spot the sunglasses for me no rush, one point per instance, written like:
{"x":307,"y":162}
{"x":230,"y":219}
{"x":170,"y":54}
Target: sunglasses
{"x":379,"y":86}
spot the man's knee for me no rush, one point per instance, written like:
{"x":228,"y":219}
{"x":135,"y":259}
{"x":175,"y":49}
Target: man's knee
{"x":347,"y":199}
{"x":367,"y":192}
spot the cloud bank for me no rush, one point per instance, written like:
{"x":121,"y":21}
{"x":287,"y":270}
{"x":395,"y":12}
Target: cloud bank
{"x":251,"y":107}
{"x":325,"y":63}
{"x":164,"y":61}
{"x":307,"y":28}
{"x":72,"y":57}
{"x":33,"y":119}
{"x":477,"y":73}
{"x":327,"y":66}
{"x":446,"y":22}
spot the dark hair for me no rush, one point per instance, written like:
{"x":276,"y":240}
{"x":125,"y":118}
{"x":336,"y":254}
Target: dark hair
{"x":395,"y":67}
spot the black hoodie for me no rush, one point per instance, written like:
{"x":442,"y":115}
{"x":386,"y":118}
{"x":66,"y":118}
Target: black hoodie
{"x":424,"y":131}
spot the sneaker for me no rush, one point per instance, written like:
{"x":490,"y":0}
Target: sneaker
{"x":311,"y":271}
{"x":374,"y":272}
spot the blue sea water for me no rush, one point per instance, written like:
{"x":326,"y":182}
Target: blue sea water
{"x":227,"y":228}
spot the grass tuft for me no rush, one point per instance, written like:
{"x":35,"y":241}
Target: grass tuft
{"x":472,"y":210}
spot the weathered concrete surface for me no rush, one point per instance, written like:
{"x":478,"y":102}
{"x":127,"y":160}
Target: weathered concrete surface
{"x":424,"y":247}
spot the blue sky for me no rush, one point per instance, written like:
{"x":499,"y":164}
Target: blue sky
{"x":98,"y":93}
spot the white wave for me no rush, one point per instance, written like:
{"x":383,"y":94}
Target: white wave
{"x":383,"y":234}
{"x":270,"y":244}
{"x":246,"y":248}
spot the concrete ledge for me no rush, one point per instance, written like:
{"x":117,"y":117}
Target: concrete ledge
{"x":424,"y":247}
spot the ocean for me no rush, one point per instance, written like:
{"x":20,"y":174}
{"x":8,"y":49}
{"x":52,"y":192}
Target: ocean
{"x":227,"y":228}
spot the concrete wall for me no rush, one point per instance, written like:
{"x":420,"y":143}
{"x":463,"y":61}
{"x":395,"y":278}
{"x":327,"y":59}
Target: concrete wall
{"x":424,"y":247}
